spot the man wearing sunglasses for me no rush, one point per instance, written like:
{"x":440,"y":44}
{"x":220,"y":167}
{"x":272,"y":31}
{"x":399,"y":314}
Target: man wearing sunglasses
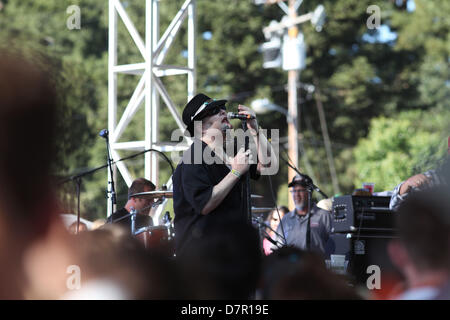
{"x":209,"y":188}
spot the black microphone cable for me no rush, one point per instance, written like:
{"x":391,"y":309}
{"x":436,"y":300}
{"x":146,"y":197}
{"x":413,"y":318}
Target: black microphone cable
{"x":278,"y":212}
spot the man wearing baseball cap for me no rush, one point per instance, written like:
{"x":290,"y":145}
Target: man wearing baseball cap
{"x":294,"y":225}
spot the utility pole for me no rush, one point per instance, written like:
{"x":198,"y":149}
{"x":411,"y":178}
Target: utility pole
{"x":293,"y":60}
{"x":292,"y":104}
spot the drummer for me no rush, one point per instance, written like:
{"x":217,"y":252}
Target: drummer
{"x":140,"y":204}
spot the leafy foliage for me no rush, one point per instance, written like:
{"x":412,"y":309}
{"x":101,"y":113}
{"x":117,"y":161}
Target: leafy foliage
{"x":368,"y":85}
{"x":397,"y":148}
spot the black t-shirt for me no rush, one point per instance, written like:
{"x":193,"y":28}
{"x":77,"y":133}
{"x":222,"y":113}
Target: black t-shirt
{"x":192,"y":189}
{"x":141,"y":220}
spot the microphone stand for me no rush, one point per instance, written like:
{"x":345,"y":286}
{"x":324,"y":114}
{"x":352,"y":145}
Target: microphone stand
{"x":88,"y":172}
{"x":247,"y":176}
{"x":308,"y":226}
{"x":312,"y":185}
{"x":111,"y":187}
{"x":262,"y":226}
{"x":77,"y":177}
{"x":133,"y":221}
{"x":78,"y":182}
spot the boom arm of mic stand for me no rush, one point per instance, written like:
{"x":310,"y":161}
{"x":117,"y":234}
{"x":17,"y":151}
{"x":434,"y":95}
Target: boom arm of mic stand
{"x":263,"y":226}
{"x":74,"y":177}
{"x":312,"y":185}
{"x":267,"y":236}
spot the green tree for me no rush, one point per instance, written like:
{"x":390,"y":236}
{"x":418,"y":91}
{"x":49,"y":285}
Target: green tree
{"x":360,"y":77}
{"x":396,"y":149}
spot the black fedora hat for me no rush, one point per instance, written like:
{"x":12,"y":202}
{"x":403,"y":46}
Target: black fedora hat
{"x":197,"y":107}
{"x":302,"y":180}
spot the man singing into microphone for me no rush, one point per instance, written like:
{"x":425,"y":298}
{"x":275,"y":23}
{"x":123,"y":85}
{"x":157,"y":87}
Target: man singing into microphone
{"x":209,"y":189}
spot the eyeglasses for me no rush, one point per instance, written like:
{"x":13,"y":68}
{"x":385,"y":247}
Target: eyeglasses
{"x":214,"y":111}
{"x":298,"y":190}
{"x":210,"y":112}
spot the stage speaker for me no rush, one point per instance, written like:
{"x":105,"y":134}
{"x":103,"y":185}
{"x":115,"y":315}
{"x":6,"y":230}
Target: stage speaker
{"x":361,"y":251}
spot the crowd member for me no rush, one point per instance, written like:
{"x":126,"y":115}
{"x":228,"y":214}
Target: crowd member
{"x":208,"y":189}
{"x":422,"y":252}
{"x":115,"y":265}
{"x":290,"y":273}
{"x":272,"y":221}
{"x":227,"y":266}
{"x":294,"y":228}
{"x":27,"y":136}
{"x":102,"y":264}
{"x":75,"y":228}
{"x":141,"y":204}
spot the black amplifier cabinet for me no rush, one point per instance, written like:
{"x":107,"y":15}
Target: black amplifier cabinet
{"x":363,"y":214}
{"x":361,"y":251}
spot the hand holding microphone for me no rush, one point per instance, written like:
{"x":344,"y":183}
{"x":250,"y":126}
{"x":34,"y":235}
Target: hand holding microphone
{"x":245,"y":113}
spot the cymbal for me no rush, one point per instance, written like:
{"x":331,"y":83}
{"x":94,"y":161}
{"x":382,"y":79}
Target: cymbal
{"x":261,"y":210}
{"x":154,"y":194}
{"x":256,"y":196}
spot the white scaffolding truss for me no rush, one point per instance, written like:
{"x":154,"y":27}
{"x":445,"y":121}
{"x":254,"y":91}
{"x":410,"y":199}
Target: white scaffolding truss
{"x":150,"y":87}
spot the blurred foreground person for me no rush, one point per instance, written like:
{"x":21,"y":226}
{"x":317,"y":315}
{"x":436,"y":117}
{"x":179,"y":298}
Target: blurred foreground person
{"x":227,"y":266}
{"x":27,"y":204}
{"x":74,"y":226}
{"x":115,"y":265}
{"x":103,"y":264}
{"x":422,"y":252}
{"x":290,"y":273}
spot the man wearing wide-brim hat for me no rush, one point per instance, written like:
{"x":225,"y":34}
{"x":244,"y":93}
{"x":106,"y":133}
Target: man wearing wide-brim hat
{"x":208,"y":185}
{"x":294,"y":225}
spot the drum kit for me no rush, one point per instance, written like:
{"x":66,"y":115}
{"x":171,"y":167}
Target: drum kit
{"x":157,"y":238}
{"x":161,"y":238}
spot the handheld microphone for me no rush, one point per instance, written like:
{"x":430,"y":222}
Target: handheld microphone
{"x":104,"y":133}
{"x":232,"y":115}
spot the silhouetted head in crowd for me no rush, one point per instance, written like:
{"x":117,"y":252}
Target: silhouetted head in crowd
{"x":73,"y":227}
{"x":422,"y":252}
{"x":275,"y":216}
{"x":111,"y":265}
{"x":27,"y":125}
{"x":111,"y":253}
{"x":293,"y":274}
{"x":226,"y":266}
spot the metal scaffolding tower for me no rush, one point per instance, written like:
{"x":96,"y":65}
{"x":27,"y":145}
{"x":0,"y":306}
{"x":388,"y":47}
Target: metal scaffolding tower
{"x":150,"y":87}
